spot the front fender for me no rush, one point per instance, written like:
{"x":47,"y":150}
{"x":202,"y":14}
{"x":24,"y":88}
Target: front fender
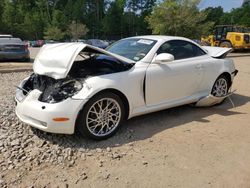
{"x":129,"y":83}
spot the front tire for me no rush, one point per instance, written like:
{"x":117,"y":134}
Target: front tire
{"x":101,"y":116}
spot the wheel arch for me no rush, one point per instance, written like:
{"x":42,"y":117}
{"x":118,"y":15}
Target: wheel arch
{"x":119,"y":94}
{"x":123,"y":98}
{"x":228,"y":76}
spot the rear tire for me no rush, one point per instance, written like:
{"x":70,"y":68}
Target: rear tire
{"x":221,"y":87}
{"x":101,"y":116}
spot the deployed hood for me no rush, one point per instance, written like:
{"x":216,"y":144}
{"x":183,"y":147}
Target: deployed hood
{"x":56,"y":60}
{"x":217,"y":52}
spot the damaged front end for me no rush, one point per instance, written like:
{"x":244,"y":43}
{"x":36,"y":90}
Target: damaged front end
{"x":60,"y":79}
{"x":46,"y":99}
{"x":52,"y":90}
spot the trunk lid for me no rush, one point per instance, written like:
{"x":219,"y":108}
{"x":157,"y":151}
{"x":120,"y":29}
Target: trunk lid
{"x":12,"y":47}
{"x":56,"y":60}
{"x":217,"y":52}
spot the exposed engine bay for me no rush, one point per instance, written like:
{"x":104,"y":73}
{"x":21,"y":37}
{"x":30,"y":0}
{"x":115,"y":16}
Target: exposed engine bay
{"x":58,"y":90}
{"x":97,"y":65}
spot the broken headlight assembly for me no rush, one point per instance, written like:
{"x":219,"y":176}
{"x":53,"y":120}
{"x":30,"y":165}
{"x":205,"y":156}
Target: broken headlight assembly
{"x":52,"y":90}
{"x":61,"y":90}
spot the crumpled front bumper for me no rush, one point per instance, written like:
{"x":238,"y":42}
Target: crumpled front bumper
{"x":40,"y":115}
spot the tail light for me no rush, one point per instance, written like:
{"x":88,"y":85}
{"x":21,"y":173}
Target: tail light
{"x":26,"y":46}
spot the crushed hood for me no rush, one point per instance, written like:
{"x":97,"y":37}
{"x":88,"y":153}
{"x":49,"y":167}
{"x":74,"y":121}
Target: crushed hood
{"x":217,"y":52}
{"x":56,"y":60}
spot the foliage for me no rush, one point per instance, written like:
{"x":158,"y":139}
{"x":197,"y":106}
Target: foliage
{"x":214,"y":14}
{"x":238,"y":16}
{"x":112,"y":19}
{"x":54,"y":33}
{"x":179,"y":18}
{"x":32,"y":19}
{"x":1,"y":14}
{"x":77,"y":30}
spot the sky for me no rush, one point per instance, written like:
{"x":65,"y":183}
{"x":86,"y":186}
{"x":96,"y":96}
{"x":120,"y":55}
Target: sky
{"x":226,"y":4}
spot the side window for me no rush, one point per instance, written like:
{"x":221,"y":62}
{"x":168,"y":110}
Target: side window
{"x":181,"y":49}
{"x":165,"y":48}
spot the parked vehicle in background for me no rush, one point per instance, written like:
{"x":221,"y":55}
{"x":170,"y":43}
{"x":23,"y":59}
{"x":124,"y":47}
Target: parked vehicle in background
{"x":13,"y":49}
{"x":111,"y":41}
{"x":26,"y":42}
{"x":37,"y":43}
{"x":5,"y":36}
{"x":32,"y":43}
{"x":98,"y":43}
{"x":49,"y":42}
{"x":81,"y":40}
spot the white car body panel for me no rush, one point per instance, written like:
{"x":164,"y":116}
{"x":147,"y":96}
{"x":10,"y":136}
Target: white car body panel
{"x":147,"y":86}
{"x":118,"y":81}
{"x":31,"y":112}
{"x":160,"y":77}
{"x":216,"y":51}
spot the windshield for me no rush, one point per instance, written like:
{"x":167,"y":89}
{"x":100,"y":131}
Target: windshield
{"x":134,"y":48}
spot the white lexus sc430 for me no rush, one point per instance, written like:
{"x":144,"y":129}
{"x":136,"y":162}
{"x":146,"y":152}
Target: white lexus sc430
{"x":76,"y":86}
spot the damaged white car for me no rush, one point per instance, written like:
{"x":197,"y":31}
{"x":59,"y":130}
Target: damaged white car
{"x":80,"y":87}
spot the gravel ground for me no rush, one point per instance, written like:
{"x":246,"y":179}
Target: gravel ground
{"x":23,"y":147}
{"x":179,"y":147}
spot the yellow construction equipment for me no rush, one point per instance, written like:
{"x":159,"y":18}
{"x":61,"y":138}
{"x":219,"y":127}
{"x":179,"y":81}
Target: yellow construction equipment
{"x":230,"y":36}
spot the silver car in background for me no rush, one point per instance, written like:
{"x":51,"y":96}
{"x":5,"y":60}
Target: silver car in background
{"x":13,"y":49}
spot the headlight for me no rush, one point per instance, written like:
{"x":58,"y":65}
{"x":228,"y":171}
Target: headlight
{"x":61,"y":91}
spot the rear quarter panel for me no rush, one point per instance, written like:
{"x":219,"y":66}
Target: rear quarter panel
{"x":218,"y":67}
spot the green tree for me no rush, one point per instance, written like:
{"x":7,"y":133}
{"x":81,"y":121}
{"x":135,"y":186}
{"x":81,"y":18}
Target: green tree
{"x":214,"y":14}
{"x":179,"y":18}
{"x":59,"y":20}
{"x":54,"y":33}
{"x":238,"y":16}
{"x":1,"y":16}
{"x":77,"y":30}
{"x":113,"y":21}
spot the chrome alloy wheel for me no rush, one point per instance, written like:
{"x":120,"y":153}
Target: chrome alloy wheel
{"x":220,"y":88}
{"x":103,"y":117}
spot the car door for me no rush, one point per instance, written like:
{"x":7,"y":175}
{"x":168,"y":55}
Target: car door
{"x":176,"y":80}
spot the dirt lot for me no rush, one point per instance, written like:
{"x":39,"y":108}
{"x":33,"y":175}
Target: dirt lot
{"x":180,"y":147}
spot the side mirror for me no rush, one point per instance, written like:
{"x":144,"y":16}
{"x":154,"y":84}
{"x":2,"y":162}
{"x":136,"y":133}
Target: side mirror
{"x":163,"y":58}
